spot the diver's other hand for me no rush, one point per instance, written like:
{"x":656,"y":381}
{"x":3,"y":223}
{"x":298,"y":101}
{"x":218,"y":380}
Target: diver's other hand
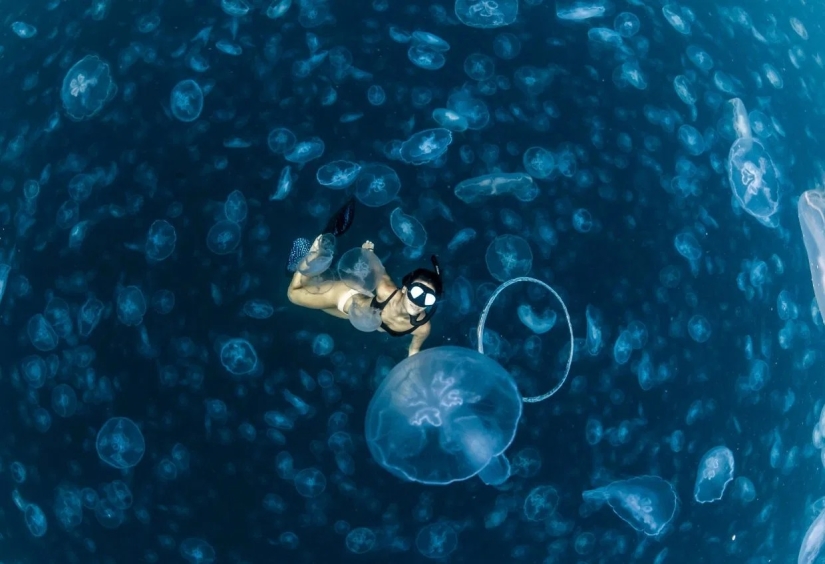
{"x":368,"y":245}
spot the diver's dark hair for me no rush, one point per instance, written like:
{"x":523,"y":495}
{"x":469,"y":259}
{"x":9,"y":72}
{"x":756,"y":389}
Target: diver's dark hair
{"x":432,"y":277}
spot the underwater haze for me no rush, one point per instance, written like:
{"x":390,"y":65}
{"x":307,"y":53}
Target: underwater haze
{"x":627,"y":203}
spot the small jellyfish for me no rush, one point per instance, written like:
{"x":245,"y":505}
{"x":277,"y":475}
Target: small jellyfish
{"x":426,"y":146}
{"x":235,"y":207}
{"x":238,"y":356}
{"x":310,"y":482}
{"x":699,"y":328}
{"x":131,"y":306}
{"x":186,"y":101}
{"x":646,"y":503}
{"x":120,"y":443}
{"x":541,"y":503}
{"x":714,"y":474}
{"x":160,"y":241}
{"x":360,"y":540}
{"x":436,"y":541}
{"x":377,"y":185}
{"x":223,"y":237}
{"x":508,"y":256}
{"x":408,"y":229}
{"x":42,"y":335}
{"x":305,"y":151}
{"x":197,"y":551}
{"x":87,"y":87}
{"x":337,"y":175}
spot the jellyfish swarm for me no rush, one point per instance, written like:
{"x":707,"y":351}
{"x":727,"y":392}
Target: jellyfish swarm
{"x":646,"y":503}
{"x":714,"y":473}
{"x":442,"y":416}
{"x":811,"y":210}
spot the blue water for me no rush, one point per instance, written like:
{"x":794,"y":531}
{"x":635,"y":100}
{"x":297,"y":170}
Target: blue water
{"x":604,"y":147}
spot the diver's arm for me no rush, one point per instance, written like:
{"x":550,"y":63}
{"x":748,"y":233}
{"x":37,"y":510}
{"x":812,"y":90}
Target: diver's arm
{"x":418,"y":337}
{"x":385,"y":281}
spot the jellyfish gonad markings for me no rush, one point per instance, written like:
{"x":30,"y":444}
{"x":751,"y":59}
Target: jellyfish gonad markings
{"x":429,"y":404}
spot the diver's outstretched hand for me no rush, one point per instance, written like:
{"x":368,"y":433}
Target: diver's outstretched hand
{"x":368,"y":245}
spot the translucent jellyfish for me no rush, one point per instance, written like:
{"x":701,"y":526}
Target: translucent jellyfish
{"x":449,"y":119}
{"x":89,"y":316}
{"x":235,"y":207}
{"x":131,"y":306}
{"x":360,"y":540}
{"x":508,"y":256}
{"x":305,"y":151}
{"x":475,"y":111}
{"x":87,"y":87}
{"x":479,"y":66}
{"x":699,"y":328}
{"x":377,"y":185}
{"x":476,"y":189}
{"x":538,"y":162}
{"x":64,"y":400}
{"x":541,"y":503}
{"x":811,"y":210}
{"x":754,"y":180}
{"x":425,"y":57}
{"x":310,"y":482}
{"x":34,"y":371}
{"x":238,"y":356}
{"x":376,"y":95}
{"x":408,"y":229}
{"x":42,"y":335}
{"x":580,"y":10}
{"x":630,"y":73}
{"x":323,"y":345}
{"x":281,"y":140}
{"x":646,"y":503}
{"x":337,"y":174}
{"x":714,"y":474}
{"x":688,"y":246}
{"x":486,"y":14}
{"x":197,"y":551}
{"x":160,"y":241}
{"x":120,"y":443}
{"x":35,"y":520}
{"x":426,"y":146}
{"x":235,"y":8}
{"x":442,"y":416}
{"x":506,"y":46}
{"x":699,"y":57}
{"x":360,"y":269}
{"x":364,"y":317}
{"x":186,"y":100}
{"x":23,"y":30}
{"x":223,"y":237}
{"x":436,"y":541}
{"x":538,"y":324}
{"x":674,"y":15}
{"x":626,"y":24}
{"x":691,"y":140}
{"x":480,"y":335}
{"x":813,"y":541}
{"x":318,"y":260}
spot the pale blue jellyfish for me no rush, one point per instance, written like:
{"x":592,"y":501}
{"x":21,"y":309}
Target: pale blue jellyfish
{"x":377,"y":185}
{"x":319,"y":257}
{"x":360,"y":540}
{"x":442,"y":416}
{"x":160,"y":240}
{"x":714,"y":474}
{"x":186,"y":100}
{"x":436,"y":540}
{"x":337,"y":174}
{"x":87,"y":87}
{"x":508,"y":256}
{"x":408,"y":229}
{"x":238,"y":356}
{"x":235,"y":207}
{"x":223,"y":237}
{"x":360,"y":269}
{"x":305,"y":151}
{"x":540,"y":503}
{"x":426,"y":146}
{"x":486,"y":14}
{"x":646,"y":503}
{"x":120,"y":443}
{"x":131,"y":306}
{"x":811,"y":211}
{"x":310,"y":482}
{"x":41,"y":333}
{"x":197,"y":551}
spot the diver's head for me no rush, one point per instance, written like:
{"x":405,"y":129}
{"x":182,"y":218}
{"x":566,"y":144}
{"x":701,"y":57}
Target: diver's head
{"x":422,"y":288}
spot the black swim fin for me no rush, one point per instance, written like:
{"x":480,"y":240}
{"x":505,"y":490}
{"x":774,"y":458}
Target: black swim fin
{"x":342,"y":220}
